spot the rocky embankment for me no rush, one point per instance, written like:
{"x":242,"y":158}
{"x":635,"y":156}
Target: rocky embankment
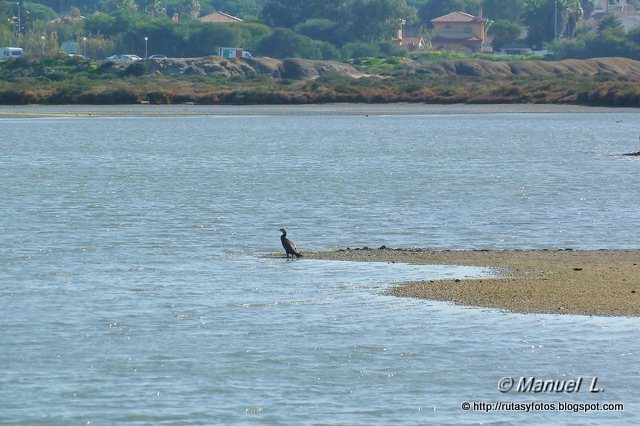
{"x":293,"y":69}
{"x":304,"y":69}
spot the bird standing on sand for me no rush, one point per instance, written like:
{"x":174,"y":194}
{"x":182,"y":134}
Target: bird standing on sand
{"x":289,"y":245}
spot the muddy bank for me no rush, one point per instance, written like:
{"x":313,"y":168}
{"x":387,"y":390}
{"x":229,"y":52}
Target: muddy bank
{"x":564,"y":281}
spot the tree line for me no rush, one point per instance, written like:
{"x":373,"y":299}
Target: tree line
{"x":314,"y":29}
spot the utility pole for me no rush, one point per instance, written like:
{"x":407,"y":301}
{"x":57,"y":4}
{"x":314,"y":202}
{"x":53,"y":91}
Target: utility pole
{"x":19,"y":21}
{"x":555,"y":19}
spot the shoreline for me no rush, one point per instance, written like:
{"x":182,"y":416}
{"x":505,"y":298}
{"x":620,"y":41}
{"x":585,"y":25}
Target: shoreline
{"x":553,"y":281}
{"x":355,"y":109}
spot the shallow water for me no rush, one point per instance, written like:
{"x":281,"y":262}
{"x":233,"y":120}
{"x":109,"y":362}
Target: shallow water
{"x":133,"y":287}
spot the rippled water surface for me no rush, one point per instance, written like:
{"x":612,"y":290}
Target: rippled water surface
{"x":133,"y":286}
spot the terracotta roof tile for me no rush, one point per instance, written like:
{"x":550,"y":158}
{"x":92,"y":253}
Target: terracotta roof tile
{"x":218,"y":18}
{"x":456,"y":17}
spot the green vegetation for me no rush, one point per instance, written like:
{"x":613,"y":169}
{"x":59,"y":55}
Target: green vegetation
{"x":445,"y":55}
{"x":504,"y":32}
{"x":394,"y":65}
{"x":389,"y":65}
{"x":608,"y":40}
{"x":313,"y":29}
{"x":540,"y":13}
{"x":61,"y":80}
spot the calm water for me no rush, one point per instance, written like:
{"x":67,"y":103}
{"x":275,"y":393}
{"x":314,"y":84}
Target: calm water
{"x":133,"y":288}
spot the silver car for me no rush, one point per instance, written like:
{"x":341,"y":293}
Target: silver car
{"x":123,"y":58}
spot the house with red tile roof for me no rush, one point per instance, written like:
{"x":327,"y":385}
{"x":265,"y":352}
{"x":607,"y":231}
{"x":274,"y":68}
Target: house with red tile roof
{"x":219,"y":18}
{"x":459,"y":31}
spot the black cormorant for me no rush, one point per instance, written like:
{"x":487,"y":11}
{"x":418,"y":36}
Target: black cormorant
{"x":289,"y":245}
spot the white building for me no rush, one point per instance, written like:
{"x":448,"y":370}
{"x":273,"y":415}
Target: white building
{"x":608,"y":5}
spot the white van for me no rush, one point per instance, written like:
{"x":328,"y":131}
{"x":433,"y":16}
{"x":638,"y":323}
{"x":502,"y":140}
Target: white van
{"x":232,"y":52}
{"x":10,"y":52}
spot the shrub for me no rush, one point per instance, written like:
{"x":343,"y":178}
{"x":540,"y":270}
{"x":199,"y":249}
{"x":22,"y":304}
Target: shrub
{"x":136,"y":69}
{"x":159,"y":97}
{"x":284,"y":43}
{"x":17,"y":97}
{"x":112,"y":97}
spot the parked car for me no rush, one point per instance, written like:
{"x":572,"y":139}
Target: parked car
{"x":10,"y":53}
{"x":123,"y":58}
{"x":158,"y":57}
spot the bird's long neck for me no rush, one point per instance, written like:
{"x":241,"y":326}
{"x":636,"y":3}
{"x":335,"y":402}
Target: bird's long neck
{"x":284,"y":234}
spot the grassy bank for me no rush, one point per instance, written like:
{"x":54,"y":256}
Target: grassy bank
{"x":79,"y":81}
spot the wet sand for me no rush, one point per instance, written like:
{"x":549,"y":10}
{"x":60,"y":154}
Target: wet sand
{"x":138,"y":110}
{"x":592,"y":282}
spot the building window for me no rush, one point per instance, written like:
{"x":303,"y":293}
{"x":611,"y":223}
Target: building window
{"x":467,"y":30}
{"x":448,"y":29}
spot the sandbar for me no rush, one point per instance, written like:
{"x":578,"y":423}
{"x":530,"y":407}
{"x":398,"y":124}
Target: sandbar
{"x":138,"y":110}
{"x":553,"y":281}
